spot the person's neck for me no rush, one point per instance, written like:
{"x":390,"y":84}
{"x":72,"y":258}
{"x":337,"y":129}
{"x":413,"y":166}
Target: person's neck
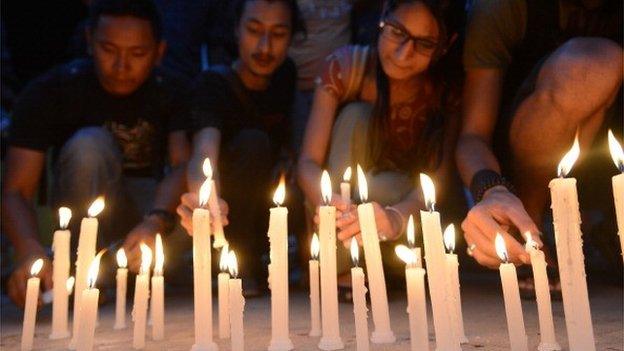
{"x":405,"y":89}
{"x":250,"y":80}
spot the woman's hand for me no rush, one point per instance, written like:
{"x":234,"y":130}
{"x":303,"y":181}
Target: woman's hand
{"x":189,"y":202}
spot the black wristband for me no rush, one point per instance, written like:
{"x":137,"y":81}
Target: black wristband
{"x":167,"y":217}
{"x":485,"y":180}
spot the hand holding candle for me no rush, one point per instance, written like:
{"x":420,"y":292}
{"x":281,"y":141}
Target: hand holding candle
{"x":315,"y":301}
{"x":60,"y":275}
{"x":89,"y":308}
{"x":158,"y":293}
{"x":213,"y":205}
{"x":30,"y":309}
{"x":617,"y":154}
{"x":416,"y":300}
{"x":359,"y":300}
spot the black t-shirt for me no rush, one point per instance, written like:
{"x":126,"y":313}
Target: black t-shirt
{"x":218,"y":104}
{"x":69,"y":97}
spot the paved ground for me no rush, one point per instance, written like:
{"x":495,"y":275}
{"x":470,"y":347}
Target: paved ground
{"x":483,"y":313}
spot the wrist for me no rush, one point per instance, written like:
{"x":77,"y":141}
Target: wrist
{"x":485,"y":180}
{"x":494,"y":189}
{"x":161,"y":220}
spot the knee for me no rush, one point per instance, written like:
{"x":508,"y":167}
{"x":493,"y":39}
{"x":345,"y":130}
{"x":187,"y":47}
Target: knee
{"x":355,"y":113}
{"x":90,"y":146}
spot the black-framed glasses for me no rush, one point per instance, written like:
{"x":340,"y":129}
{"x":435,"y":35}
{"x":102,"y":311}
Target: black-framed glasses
{"x":397,"y":33}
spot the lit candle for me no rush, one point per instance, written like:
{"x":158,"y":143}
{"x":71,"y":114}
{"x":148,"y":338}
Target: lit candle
{"x":511,"y":293}
{"x":158,"y":293}
{"x":224,"y":305}
{"x":452,"y":266}
{"x":567,"y":223}
{"x":86,"y":252}
{"x":213,"y":206}
{"x":315,"y":299}
{"x":330,"y":339}
{"x":122,"y":282}
{"x":30,"y":309}
{"x":617,"y":154}
{"x":436,"y":269}
{"x":278,"y":271}
{"x":359,"y":300}
{"x":237,"y":306}
{"x":89,"y":308}
{"x":411,"y":241}
{"x":202,"y":274}
{"x":416,"y":302}
{"x":141,"y":297}
{"x":374,"y":266}
{"x":548,"y":342}
{"x":60,"y":274}
{"x":345,"y":186}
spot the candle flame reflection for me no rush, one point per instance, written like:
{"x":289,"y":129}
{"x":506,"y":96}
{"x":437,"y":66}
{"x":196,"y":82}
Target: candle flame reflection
{"x":501,"y":248}
{"x":326,"y":188}
{"x":280,"y":192}
{"x":428,"y":191}
{"x":122,"y":260}
{"x":36,"y":267}
{"x":405,"y":254}
{"x":449,"y":238}
{"x":96,"y":207}
{"x":567,"y":162}
{"x":223,"y":259}
{"x":315,"y":247}
{"x":233,"y":264}
{"x":617,"y":154}
{"x":65,"y":215}
{"x":355,"y":252}
{"x":346,"y":176}
{"x":94,"y":269}
{"x":159,"y":261}
{"x":362,"y":184}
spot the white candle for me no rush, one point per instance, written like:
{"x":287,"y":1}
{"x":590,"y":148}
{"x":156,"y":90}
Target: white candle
{"x":330,"y":339}
{"x":315,"y":300}
{"x":89,"y":308}
{"x":224,"y":292}
{"x":141,"y":297}
{"x":617,"y":154}
{"x":411,"y":240}
{"x":511,"y":293}
{"x":452,"y":266}
{"x":359,"y":301}
{"x":345,"y":186}
{"x":60,"y":274}
{"x":237,"y":306}
{"x":278,"y":271}
{"x":158,"y":293}
{"x":86,"y":252}
{"x":374,"y":266}
{"x":122,"y":282}
{"x":213,"y":206}
{"x":30,"y":308}
{"x":436,"y":269}
{"x":416,"y":301}
{"x":548,"y":341}
{"x":567,"y":223}
{"x":202,"y":273}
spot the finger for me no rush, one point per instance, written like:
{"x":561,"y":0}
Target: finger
{"x":225,"y":208}
{"x":317,"y":219}
{"x":521,"y":219}
{"x":224,"y":220}
{"x":345,"y":220}
{"x":488,"y":226}
{"x":190,"y":200}
{"x":484,"y":259}
{"x":346,"y":233}
{"x":18,"y":288}
{"x":474,"y":236}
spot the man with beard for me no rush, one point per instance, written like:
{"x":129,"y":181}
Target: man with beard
{"x":242,"y":117}
{"x":537,"y":72}
{"x":112,"y":122}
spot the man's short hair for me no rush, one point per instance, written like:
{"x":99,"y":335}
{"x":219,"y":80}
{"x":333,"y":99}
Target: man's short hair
{"x":143,"y":9}
{"x":297,"y":22}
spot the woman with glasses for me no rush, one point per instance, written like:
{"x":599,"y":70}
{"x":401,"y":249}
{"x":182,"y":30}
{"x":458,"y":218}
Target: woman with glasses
{"x":391,"y":107}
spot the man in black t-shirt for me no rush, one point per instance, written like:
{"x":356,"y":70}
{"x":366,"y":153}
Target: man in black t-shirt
{"x":112,"y":123}
{"x":242,"y":118}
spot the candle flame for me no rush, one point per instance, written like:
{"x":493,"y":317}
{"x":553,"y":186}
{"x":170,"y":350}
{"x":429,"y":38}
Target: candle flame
{"x":617,"y":154}
{"x":530,"y":243}
{"x":405,"y":254}
{"x":355,"y":252}
{"x":362,"y":185}
{"x":223,"y":259}
{"x":233,"y":264}
{"x":204,"y":192}
{"x":411,"y":229}
{"x":64,"y":216}
{"x":567,"y":162}
{"x":501,"y":249}
{"x":428,"y":191}
{"x":207,"y":168}
{"x":160,"y":256}
{"x":122,"y":260}
{"x":280,"y":192}
{"x":36,"y":267}
{"x":146,"y":259}
{"x":315,"y":247}
{"x":346,"y":176}
{"x":94,"y":268}
{"x":96,"y":207}
{"x":69,"y":284}
{"x":449,"y":237}
{"x":326,"y":188}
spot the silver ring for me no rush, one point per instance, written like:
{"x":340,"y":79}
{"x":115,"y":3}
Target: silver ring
{"x":470,"y":249}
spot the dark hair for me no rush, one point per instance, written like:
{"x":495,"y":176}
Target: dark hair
{"x":143,"y":9}
{"x":444,"y":74}
{"x":297,"y":23}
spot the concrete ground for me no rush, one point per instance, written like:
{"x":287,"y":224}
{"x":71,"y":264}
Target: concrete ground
{"x":483,"y":310}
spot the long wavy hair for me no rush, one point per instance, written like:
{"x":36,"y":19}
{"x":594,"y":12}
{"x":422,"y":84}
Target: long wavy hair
{"x":444,"y":76}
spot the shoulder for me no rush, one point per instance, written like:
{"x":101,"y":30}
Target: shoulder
{"x":344,"y":70}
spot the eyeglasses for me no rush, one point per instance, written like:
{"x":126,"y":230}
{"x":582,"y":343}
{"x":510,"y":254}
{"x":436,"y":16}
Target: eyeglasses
{"x":396,"y":33}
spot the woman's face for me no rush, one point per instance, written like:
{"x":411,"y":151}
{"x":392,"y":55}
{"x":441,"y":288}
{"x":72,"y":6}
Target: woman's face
{"x":408,"y":40}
